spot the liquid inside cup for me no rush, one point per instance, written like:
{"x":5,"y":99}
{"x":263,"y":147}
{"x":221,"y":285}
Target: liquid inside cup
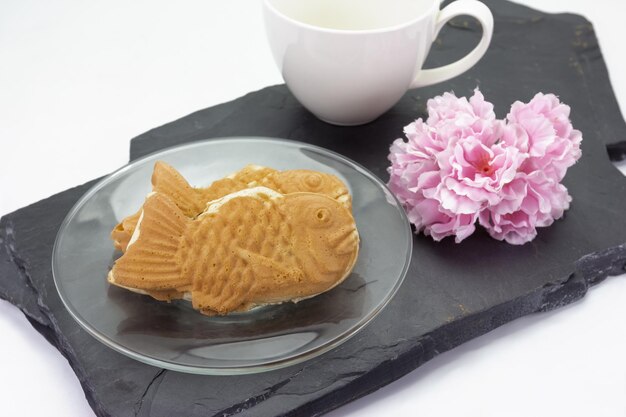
{"x":353,"y":14}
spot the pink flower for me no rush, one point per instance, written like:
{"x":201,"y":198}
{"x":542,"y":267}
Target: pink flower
{"x":426,"y":213}
{"x":551,"y":141}
{"x":450,"y":167}
{"x":541,"y":201}
{"x":411,"y":171}
{"x":472,"y":175}
{"x":453,"y":118}
{"x":416,"y":171}
{"x":463,"y":165}
{"x":438,"y":224}
{"x":411,"y":161}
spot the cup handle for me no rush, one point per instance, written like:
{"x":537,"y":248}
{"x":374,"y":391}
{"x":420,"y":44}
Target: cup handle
{"x":460,"y":7}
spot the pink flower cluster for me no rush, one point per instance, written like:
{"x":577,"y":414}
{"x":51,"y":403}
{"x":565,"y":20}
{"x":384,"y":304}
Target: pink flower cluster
{"x":463,"y":165}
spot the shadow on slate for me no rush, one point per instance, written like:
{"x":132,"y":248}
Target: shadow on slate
{"x":452,"y":293}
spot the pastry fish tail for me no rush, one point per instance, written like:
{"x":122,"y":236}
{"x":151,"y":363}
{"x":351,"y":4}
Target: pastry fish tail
{"x":167,"y":181}
{"x":153,"y":260}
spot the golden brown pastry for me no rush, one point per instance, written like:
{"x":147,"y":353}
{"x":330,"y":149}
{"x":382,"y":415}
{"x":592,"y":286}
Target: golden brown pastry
{"x":192,"y":201}
{"x":249,"y":248}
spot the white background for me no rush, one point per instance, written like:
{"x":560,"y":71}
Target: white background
{"x":79,"y":79}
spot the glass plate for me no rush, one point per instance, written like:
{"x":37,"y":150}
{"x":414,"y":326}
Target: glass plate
{"x":174,"y":336}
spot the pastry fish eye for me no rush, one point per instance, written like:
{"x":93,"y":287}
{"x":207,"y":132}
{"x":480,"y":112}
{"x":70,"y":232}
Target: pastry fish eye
{"x":319,"y":216}
{"x":323,"y":214}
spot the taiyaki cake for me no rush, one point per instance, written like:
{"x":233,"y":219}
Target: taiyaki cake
{"x":192,"y":201}
{"x":250,"y":248}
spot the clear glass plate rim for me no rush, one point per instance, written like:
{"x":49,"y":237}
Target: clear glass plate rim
{"x":226,"y":370}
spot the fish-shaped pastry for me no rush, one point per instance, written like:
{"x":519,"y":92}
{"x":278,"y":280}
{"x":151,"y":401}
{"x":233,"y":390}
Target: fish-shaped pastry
{"x":192,"y":201}
{"x":252,"y":247}
{"x":168,"y":181}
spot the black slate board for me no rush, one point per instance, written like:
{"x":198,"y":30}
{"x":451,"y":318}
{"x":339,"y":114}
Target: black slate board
{"x":452,"y":293}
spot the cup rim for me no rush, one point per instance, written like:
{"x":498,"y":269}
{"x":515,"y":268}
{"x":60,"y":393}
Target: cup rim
{"x":435,"y":4}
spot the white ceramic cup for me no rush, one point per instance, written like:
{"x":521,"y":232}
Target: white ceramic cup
{"x":349,"y":61}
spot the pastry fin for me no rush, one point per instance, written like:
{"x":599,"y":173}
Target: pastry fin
{"x":152,"y":259}
{"x":168,"y":181}
{"x":266,"y":267}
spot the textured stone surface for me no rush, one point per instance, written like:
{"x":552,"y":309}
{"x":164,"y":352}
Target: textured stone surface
{"x":452,"y":293}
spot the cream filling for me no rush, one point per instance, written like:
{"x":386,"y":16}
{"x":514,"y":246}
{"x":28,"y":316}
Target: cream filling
{"x":343,"y":199}
{"x":137,"y":232}
{"x":213,"y":207}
